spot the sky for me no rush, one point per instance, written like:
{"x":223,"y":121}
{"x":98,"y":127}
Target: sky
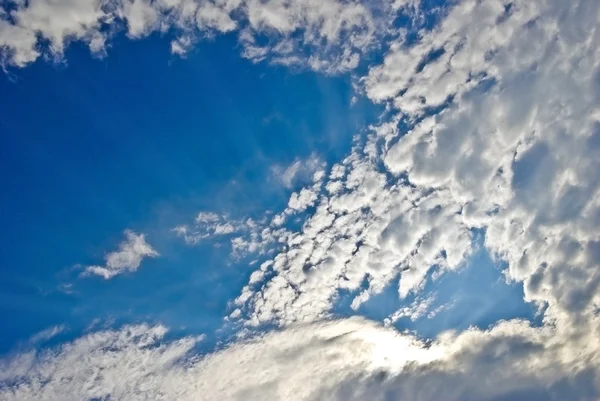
{"x":300,"y":200}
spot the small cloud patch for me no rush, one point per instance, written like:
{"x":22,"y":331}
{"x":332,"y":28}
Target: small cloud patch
{"x":128,"y":257}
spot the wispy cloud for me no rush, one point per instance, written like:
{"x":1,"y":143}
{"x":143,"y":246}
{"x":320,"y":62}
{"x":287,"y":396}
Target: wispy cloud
{"x":46,"y":334}
{"x":127,"y":258}
{"x":301,"y":171}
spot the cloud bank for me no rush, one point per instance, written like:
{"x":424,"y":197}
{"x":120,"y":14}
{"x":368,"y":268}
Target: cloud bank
{"x":341,"y":360}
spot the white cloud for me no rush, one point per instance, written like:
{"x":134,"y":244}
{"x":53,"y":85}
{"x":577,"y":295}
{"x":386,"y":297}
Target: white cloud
{"x":57,"y":21}
{"x":142,"y":17}
{"x":338,"y":32}
{"x":300,"y":201}
{"x":246,"y":236}
{"x":421,"y":307}
{"x":521,"y":155}
{"x":127,"y":258}
{"x":371,"y":230}
{"x":515,"y":153}
{"x":209,"y":225}
{"x":503,"y":137}
{"x":328,"y":36}
{"x":340,"y":360}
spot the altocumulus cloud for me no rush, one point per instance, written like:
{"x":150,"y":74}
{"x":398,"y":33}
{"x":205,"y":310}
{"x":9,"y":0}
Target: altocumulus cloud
{"x":503,"y":137}
{"x":499,"y":105}
{"x":127,"y":258}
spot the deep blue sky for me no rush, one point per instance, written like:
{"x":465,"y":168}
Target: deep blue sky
{"x":143,"y":140}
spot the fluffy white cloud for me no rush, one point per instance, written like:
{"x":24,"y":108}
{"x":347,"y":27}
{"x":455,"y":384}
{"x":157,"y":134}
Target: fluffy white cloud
{"x":58,"y":21}
{"x":328,"y":36}
{"x":340,"y":360}
{"x":127,"y":258}
{"x":371,"y":230}
{"x":517,"y":147}
{"x":503,"y":136}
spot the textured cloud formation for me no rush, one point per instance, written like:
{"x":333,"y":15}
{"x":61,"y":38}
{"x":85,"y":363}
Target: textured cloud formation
{"x":327,"y":36}
{"x":341,"y":360}
{"x":247,"y":236}
{"x":517,"y":147}
{"x":495,"y":124}
{"x":488,"y":132}
{"x":262,"y":236}
{"x":128,"y":258}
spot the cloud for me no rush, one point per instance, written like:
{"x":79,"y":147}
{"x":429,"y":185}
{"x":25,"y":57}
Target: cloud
{"x":515,"y":146}
{"x":371,"y":230}
{"x":46,"y":334}
{"x":128,"y":258}
{"x":246,"y":236}
{"x":299,"y":172}
{"x":57,"y":21}
{"x":502,"y":137}
{"x":349,"y":359}
{"x":328,"y":36}
{"x":487,"y":132}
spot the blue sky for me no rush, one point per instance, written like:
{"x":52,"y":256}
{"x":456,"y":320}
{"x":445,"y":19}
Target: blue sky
{"x":96,"y":146}
{"x":307,"y":200}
